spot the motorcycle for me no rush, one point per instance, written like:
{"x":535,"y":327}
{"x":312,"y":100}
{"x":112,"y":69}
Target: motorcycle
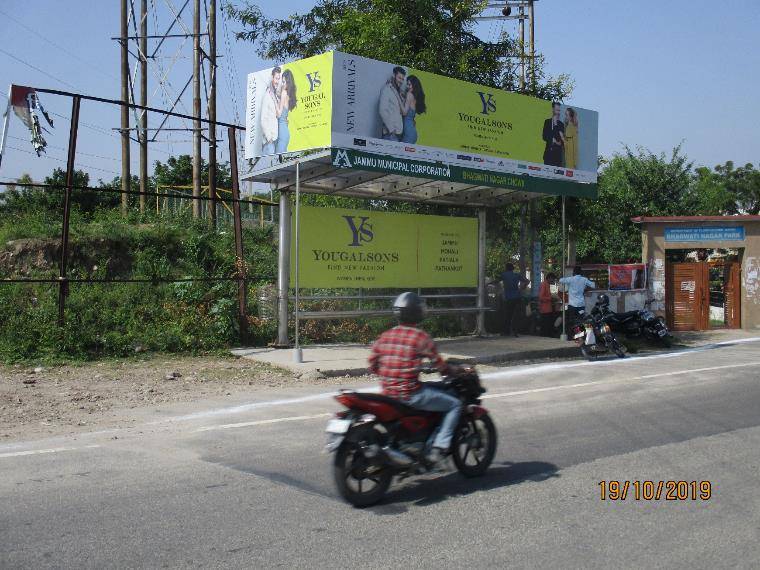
{"x":640,"y":323}
{"x":594,"y":337}
{"x":378,"y":438}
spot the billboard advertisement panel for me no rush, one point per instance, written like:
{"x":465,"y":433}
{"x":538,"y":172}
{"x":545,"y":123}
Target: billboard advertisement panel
{"x":388,"y":109}
{"x":368,"y":249}
{"x":289,"y":107}
{"x":344,"y":101}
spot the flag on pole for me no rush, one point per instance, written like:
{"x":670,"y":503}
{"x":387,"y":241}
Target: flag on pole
{"x":26,"y":104}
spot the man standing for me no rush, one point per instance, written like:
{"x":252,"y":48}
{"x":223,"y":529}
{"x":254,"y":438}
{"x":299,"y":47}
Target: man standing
{"x":269,"y":106}
{"x":390,"y":106}
{"x":576,"y":287}
{"x":546,"y":305}
{"x":554,"y":137}
{"x":513,"y":286}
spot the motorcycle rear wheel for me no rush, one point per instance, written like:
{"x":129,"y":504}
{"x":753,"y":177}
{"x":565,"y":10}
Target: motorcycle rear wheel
{"x":473,"y":456}
{"x":355,"y":478}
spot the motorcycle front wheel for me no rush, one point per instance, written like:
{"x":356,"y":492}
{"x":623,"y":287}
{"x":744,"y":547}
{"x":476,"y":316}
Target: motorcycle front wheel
{"x":618,"y":348}
{"x":474,"y":445}
{"x":588,"y":352}
{"x":359,"y":481}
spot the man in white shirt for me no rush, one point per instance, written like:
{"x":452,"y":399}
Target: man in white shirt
{"x":269,"y":127}
{"x":576,"y":287}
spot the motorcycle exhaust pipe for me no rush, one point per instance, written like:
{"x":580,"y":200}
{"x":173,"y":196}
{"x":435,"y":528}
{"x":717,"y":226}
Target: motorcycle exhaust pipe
{"x":397,"y":458}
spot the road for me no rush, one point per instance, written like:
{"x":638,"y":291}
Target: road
{"x":247,"y":486}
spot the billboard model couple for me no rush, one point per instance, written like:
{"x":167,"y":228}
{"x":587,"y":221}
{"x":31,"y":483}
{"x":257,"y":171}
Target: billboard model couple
{"x":401,"y":100}
{"x":561,"y":138}
{"x":279,"y":99}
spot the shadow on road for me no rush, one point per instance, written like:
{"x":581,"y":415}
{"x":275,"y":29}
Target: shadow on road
{"x":423,"y":492}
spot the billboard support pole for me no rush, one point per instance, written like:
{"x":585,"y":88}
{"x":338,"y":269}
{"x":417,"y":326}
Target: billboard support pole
{"x":297,"y":353}
{"x":481,"y":322}
{"x":563,"y":336}
{"x":283,"y":271}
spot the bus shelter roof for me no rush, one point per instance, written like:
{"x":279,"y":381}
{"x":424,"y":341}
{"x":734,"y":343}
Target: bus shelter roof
{"x":320,"y":175}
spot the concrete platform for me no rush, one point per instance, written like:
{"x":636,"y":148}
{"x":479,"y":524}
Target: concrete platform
{"x":351,"y":359}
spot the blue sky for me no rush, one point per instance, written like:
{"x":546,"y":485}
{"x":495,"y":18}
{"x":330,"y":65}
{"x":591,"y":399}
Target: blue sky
{"x":659,"y":73}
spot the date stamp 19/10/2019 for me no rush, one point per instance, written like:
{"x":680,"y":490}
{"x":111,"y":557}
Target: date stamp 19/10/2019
{"x":614,"y":490}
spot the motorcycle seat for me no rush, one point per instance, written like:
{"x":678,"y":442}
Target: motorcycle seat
{"x":627,"y":316}
{"x":398,"y":404}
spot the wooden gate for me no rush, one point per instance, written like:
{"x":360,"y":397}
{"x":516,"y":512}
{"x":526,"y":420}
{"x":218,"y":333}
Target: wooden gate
{"x":733,"y":294}
{"x":687,"y":296}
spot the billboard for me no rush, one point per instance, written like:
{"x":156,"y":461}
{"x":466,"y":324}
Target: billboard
{"x":368,"y":249}
{"x":386,"y":109}
{"x":289,"y":107}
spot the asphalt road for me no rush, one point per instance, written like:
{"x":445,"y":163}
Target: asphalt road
{"x":248,"y":486}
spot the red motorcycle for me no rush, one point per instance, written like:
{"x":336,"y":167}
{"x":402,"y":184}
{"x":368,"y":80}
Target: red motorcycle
{"x":379,"y":437}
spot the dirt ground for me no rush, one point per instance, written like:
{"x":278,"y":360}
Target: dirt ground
{"x":36,"y":402}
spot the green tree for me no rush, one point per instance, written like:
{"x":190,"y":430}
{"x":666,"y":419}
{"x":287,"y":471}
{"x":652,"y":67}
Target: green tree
{"x":432,"y":35}
{"x":178,"y":171}
{"x":743,"y":184}
{"x":709,"y":195}
{"x":633,"y":183}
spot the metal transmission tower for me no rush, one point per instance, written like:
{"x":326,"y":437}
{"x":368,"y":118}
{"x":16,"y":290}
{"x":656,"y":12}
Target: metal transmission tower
{"x":157,"y":55}
{"x":522,"y":11}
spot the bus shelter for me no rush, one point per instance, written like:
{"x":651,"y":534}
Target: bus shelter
{"x":337,"y":172}
{"x":343,"y":125}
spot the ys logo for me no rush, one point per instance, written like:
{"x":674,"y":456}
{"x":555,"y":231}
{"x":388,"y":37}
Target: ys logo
{"x":361,"y":232}
{"x":314,"y":81}
{"x":488,"y":102}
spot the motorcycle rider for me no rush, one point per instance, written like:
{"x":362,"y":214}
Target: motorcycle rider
{"x":602,"y":305}
{"x":396,"y":357}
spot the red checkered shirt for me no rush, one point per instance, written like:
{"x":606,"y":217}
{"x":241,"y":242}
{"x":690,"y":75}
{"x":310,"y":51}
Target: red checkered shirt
{"x":397,"y":355}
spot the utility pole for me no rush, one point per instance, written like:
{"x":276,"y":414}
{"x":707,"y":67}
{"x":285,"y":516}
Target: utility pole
{"x":532,"y":15}
{"x":143,"y":137}
{"x":125,"y":176}
{"x":212,"y":112}
{"x":522,"y":48}
{"x":196,"y":108}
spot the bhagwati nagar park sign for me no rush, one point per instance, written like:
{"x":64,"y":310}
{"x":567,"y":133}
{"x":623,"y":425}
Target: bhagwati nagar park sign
{"x":369,"y":249}
{"x":381,"y":116}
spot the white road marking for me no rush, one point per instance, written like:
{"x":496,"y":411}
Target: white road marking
{"x":552,"y":367}
{"x":265,"y":422}
{"x":502,"y":395}
{"x":615,"y":381}
{"x":41,"y":451}
{"x":500,"y":375}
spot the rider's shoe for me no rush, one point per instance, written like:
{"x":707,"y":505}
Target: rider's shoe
{"x":435,"y":455}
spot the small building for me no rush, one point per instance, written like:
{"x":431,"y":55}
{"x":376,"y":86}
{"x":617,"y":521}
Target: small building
{"x":703,"y":271}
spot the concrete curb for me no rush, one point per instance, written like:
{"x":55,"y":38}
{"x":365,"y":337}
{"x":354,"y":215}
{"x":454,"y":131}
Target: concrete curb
{"x":566,"y":352}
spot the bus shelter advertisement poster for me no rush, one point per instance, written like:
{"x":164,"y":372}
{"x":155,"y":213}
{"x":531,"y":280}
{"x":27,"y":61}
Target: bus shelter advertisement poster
{"x":390,"y":109}
{"x":368,"y":249}
{"x":346,"y":101}
{"x":289,"y":107}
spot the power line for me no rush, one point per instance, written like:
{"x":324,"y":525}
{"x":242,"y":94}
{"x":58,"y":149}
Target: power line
{"x":54,"y":44}
{"x":61,"y":160}
{"x":37,"y":68}
{"x":66,"y":150}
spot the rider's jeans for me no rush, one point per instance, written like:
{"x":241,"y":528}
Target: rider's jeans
{"x":433,"y":400}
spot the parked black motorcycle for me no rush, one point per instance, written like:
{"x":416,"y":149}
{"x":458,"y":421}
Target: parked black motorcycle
{"x":594,"y":337}
{"x":634,"y":324}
